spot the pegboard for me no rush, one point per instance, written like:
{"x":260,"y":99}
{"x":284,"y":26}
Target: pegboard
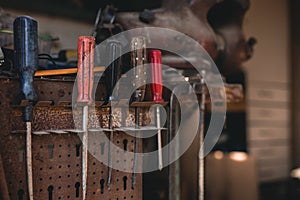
{"x":57,"y":161}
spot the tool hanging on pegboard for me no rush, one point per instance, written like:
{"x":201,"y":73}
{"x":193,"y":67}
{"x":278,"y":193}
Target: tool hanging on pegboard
{"x":114,"y":51}
{"x":26,"y":54}
{"x":156,"y":69}
{"x":138,"y":59}
{"x":85,"y":79}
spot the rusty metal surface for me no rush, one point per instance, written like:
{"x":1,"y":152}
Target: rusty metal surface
{"x":57,"y":157}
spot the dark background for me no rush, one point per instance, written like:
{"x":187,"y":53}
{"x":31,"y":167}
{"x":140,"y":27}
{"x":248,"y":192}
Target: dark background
{"x":82,"y":10}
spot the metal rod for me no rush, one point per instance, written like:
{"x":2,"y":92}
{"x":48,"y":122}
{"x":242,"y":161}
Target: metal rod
{"x":160,"y":161}
{"x":201,"y":138}
{"x":136,"y":147}
{"x":85,"y":150}
{"x":29,"y":160}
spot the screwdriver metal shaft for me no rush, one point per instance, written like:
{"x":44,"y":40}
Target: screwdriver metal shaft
{"x":85,"y":80}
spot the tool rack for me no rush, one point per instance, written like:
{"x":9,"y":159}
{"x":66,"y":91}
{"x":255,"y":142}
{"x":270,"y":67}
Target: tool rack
{"x":57,"y":167}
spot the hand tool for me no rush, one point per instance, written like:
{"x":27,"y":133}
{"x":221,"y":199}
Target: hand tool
{"x":155,"y":59}
{"x":85,"y":79}
{"x":114,"y":51}
{"x":26,"y":55}
{"x":138,"y":59}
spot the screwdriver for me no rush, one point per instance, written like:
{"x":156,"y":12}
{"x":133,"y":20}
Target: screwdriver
{"x":114,"y":51}
{"x":138,"y":58}
{"x":85,"y":80}
{"x":156,"y":69}
{"x":26,"y":58}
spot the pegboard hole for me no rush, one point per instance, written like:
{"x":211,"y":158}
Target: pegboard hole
{"x":102,"y":181}
{"x":20,"y":194}
{"x":125,"y":182}
{"x":125,"y":142}
{"x":50,"y":192}
{"x":77,"y":187}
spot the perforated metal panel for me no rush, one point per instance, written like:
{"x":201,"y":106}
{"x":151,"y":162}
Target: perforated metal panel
{"x":57,"y":160}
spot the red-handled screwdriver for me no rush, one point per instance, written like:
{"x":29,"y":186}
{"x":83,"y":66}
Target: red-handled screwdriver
{"x":156,"y":69}
{"x":85,"y":80}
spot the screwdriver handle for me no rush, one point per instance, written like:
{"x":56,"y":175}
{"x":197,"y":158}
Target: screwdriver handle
{"x":156,"y":69}
{"x":26,"y":54}
{"x":138,"y":59}
{"x":113,"y":56}
{"x":85,"y":73}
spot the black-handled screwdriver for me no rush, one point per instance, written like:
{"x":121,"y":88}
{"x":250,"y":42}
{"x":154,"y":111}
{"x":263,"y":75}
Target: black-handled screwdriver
{"x":113,"y":74}
{"x":26,"y":58}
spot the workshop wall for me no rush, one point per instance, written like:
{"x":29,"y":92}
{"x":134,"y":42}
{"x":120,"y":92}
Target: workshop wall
{"x":268,"y":92}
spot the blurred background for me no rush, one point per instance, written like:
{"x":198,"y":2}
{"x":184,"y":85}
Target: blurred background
{"x":265,"y":126}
